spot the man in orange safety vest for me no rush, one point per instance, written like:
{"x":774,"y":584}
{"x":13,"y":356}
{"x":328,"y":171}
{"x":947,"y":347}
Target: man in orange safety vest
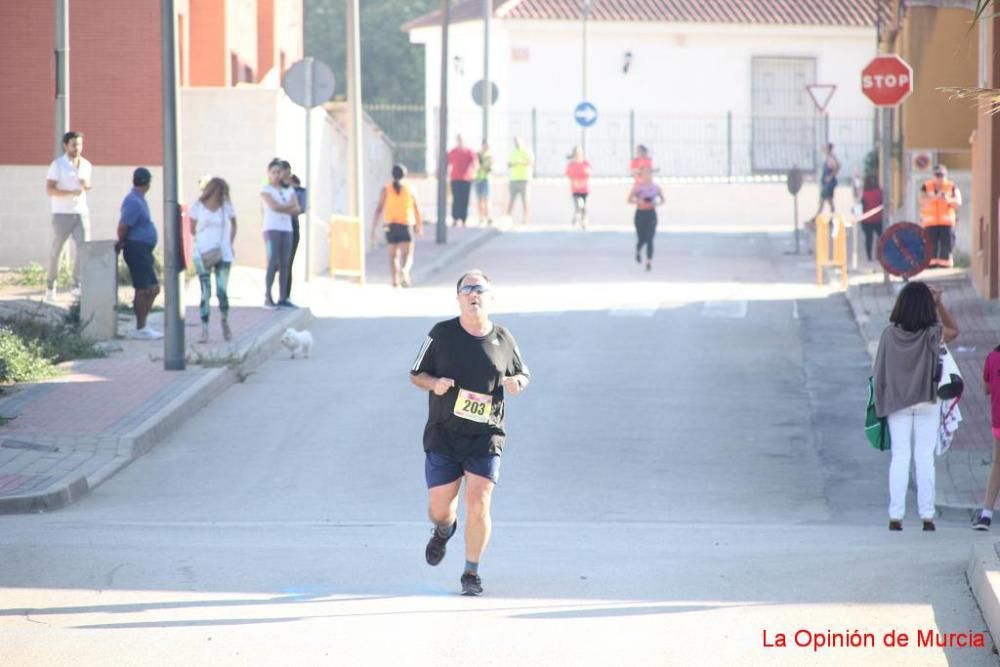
{"x":939,"y":203}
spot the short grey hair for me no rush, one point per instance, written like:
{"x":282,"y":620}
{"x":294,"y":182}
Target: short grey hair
{"x":473,"y":272}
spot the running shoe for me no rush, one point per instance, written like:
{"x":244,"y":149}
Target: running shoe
{"x":269,"y":304}
{"x":437,"y":545}
{"x":285,"y":304}
{"x":471,"y":584}
{"x":929,"y":526}
{"x":981,"y":523}
{"x":895,"y":524}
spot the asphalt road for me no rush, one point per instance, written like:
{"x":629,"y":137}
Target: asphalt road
{"x":684,"y":480}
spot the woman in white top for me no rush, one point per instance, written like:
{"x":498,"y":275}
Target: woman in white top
{"x":213,"y":224}
{"x":280,"y":204}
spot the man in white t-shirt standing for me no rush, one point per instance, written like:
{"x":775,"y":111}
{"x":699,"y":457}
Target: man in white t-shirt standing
{"x":67,"y":183}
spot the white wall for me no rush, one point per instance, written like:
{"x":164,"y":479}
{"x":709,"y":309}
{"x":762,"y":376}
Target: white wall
{"x":700,"y":70}
{"x":226,"y":132}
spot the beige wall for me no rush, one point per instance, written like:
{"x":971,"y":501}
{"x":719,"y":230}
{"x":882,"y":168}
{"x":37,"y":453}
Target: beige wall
{"x":941,"y":49}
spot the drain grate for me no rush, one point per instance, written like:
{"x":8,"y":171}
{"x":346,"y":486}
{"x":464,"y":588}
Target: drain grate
{"x":33,"y":446}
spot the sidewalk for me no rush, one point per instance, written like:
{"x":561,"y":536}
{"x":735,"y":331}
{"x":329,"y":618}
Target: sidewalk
{"x":68,"y":434}
{"x":72,"y":432}
{"x":963,"y":470}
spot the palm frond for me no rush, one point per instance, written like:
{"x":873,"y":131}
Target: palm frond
{"x":988,"y":96}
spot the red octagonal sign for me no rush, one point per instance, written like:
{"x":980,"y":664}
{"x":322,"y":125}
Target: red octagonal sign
{"x":887,"y":80}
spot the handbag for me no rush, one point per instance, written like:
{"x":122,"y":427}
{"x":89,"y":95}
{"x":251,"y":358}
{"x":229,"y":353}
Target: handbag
{"x":876,"y":428}
{"x":949,"y":379}
{"x":210,"y":258}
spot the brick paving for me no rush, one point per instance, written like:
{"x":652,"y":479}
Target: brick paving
{"x":963,"y":470}
{"x":85,"y":423}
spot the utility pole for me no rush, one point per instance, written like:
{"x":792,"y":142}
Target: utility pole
{"x":442,"y":194}
{"x":583,"y":68}
{"x":355,"y":169}
{"x":173,"y":338}
{"x":62,"y":73}
{"x":487,"y":86}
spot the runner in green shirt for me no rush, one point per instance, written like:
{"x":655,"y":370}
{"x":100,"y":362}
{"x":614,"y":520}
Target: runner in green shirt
{"x":519,"y":164}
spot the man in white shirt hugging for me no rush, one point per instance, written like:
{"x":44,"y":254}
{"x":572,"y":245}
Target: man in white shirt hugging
{"x":66,"y":184}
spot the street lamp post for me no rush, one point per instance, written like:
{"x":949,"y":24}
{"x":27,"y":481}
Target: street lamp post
{"x":173,"y":342}
{"x":442,"y":167}
{"x":585,"y":14}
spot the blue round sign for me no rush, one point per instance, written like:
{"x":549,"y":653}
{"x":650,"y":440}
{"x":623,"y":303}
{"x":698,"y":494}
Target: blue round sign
{"x":585,"y":114}
{"x":904,"y":249}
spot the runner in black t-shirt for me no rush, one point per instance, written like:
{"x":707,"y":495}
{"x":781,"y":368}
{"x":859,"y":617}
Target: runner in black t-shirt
{"x":466,"y":364}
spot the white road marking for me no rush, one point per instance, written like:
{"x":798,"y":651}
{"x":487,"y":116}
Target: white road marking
{"x":725,"y":309}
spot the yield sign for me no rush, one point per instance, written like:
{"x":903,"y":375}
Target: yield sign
{"x":821,"y":94}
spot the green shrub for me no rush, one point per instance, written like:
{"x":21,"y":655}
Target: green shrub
{"x":21,"y":360}
{"x":34,"y":274}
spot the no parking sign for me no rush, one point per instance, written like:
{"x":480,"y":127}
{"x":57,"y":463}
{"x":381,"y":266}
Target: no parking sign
{"x":904,"y":249}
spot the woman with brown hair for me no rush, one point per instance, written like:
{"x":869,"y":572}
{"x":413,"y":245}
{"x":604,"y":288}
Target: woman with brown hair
{"x":213,"y":224}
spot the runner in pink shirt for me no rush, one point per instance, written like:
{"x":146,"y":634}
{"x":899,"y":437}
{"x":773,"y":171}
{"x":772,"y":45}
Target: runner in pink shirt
{"x":578,"y":172}
{"x":462,"y":160}
{"x":991,"y":385}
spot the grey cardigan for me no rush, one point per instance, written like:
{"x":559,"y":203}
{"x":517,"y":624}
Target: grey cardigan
{"x":905,"y":366}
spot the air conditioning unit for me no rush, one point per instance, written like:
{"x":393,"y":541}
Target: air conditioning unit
{"x":922,"y":161}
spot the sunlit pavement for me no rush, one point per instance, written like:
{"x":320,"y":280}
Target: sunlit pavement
{"x":684,"y":478}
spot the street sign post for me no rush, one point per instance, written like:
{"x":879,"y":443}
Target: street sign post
{"x":887,"y":80}
{"x":904,"y":249}
{"x":585,"y":114}
{"x":794,"y":182}
{"x":308,"y":83}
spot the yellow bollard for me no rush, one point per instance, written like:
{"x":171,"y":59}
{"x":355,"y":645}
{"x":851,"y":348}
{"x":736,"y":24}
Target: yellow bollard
{"x":822,"y":245}
{"x":831,"y":229}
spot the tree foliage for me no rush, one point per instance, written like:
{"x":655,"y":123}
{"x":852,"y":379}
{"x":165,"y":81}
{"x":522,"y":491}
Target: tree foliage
{"x":392,"y":69}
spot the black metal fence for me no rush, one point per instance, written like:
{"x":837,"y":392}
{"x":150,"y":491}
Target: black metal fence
{"x":720,"y":145}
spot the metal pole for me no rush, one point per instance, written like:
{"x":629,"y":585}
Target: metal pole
{"x":173,"y":339}
{"x":534,"y":136}
{"x":729,"y":149}
{"x":583,"y":71}
{"x":795,"y":213}
{"x":886,"y":167}
{"x":355,"y":170}
{"x":62,"y":73}
{"x":487,"y":85}
{"x":304,"y":220}
{"x":631,"y":132}
{"x":442,"y":204}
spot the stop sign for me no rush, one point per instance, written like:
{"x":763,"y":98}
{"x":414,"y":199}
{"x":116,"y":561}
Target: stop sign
{"x":887,"y":80}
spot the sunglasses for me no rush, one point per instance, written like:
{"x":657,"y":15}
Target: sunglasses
{"x":473,"y":289}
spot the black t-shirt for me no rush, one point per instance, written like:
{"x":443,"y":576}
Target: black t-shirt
{"x":476,"y":364}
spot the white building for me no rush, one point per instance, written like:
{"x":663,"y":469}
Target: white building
{"x":714,"y":88}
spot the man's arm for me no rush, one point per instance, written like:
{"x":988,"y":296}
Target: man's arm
{"x":52,"y":190}
{"x":428,"y":382}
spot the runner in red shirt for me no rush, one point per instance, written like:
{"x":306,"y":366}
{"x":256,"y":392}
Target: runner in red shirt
{"x":578,"y":171}
{"x":462,"y":160}
{"x":640,"y":161}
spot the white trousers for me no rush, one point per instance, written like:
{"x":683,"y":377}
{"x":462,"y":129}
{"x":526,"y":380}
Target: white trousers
{"x":913,"y":429}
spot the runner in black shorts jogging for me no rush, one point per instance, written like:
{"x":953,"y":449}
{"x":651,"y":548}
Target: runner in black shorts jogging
{"x":466,"y":365}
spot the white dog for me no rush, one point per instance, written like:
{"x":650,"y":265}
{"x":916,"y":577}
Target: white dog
{"x":297,"y":341}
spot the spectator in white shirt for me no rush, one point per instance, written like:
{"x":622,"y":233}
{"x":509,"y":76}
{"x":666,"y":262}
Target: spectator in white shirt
{"x":66,"y":184}
{"x":213,"y":224}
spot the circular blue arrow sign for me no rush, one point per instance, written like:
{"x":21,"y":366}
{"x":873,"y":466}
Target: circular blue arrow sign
{"x":904,"y":249}
{"x":585,"y":114}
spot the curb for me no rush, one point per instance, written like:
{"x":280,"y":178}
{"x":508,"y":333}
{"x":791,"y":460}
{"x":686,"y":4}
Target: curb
{"x":454,"y":253}
{"x":122,"y":451}
{"x":983,"y":573}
